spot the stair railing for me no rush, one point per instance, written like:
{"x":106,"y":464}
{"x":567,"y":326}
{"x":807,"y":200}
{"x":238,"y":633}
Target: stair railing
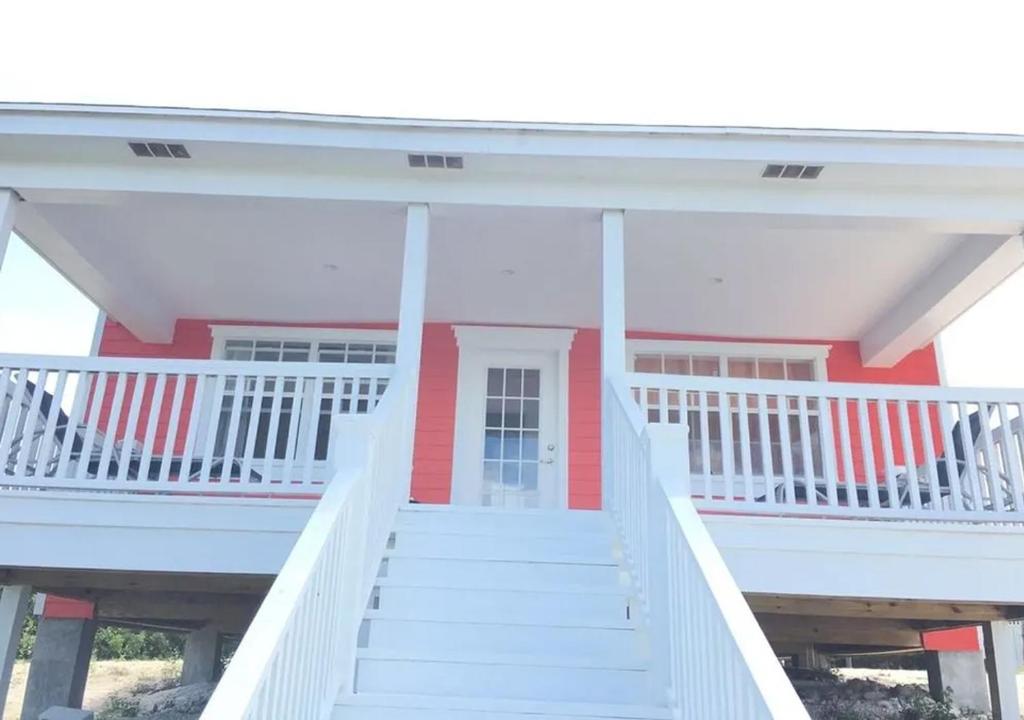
{"x":299,"y":652}
{"x":711,"y":659}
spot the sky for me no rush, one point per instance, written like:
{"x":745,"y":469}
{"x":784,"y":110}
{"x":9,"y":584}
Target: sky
{"x":870,"y":64}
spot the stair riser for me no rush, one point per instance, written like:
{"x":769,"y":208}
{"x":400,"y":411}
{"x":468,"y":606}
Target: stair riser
{"x":568,"y":643}
{"x":575,"y":548}
{"x":501,"y":606}
{"x":569,"y":523}
{"x":450,"y":573}
{"x":372,"y":713}
{"x":502,"y":681}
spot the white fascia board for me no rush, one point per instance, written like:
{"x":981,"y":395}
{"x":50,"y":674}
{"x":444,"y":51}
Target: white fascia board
{"x":542,"y":139}
{"x":970,"y":272}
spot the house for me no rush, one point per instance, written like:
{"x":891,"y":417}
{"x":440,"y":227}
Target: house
{"x":470,"y":419}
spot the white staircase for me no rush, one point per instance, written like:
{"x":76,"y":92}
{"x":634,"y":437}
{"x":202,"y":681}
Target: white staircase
{"x":502,"y":615}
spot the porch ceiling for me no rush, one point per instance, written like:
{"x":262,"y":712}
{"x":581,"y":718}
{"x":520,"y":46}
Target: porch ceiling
{"x":150,"y":258}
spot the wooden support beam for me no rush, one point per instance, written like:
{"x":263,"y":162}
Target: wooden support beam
{"x":793,"y":629}
{"x":8,"y":205}
{"x":69,"y":581}
{"x":952,"y":613}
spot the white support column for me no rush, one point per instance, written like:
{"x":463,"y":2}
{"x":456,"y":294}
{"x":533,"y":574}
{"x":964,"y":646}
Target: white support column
{"x":412,"y":306}
{"x":613,"y":327}
{"x":1001,"y":641}
{"x":13,"y":607}
{"x":8,"y":205}
{"x":412,"y":312}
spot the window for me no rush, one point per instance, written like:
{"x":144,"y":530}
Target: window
{"x":286,"y":345}
{"x":748,"y":361}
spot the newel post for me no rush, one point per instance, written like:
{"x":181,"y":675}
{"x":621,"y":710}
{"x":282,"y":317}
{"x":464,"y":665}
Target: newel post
{"x":668,"y":475}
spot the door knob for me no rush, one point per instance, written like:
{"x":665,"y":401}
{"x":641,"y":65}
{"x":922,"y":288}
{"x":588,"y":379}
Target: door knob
{"x":549,"y":461}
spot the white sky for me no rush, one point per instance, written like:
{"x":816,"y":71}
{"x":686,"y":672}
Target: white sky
{"x":892,"y":64}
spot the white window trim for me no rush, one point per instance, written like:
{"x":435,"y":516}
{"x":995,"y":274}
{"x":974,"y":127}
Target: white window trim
{"x":723,"y":349}
{"x":223,"y":333}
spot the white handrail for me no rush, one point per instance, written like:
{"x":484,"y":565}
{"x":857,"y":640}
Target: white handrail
{"x":845,"y":449}
{"x":711,"y":659}
{"x":157,"y":425}
{"x":299,"y":652}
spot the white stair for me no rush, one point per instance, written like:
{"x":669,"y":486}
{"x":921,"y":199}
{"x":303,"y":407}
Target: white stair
{"x":503,"y":615}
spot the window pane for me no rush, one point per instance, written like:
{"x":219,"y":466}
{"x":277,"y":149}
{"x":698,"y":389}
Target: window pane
{"x":647,"y":363}
{"x":771,"y":370}
{"x":742,"y":368}
{"x":531,"y":383}
{"x":677,"y":364}
{"x":513,"y":383}
{"x":706,"y":366}
{"x":799,"y":370}
{"x":495,"y":381}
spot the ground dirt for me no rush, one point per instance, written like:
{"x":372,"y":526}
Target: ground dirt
{"x":106,"y":678}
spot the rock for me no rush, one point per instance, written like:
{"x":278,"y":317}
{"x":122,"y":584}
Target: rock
{"x":178,"y":703}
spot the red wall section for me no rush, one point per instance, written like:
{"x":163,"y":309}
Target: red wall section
{"x":435,"y":415}
{"x":585,"y":420}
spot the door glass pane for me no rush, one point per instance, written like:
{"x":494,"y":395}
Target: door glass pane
{"x":511,"y":437}
{"x":799,"y":370}
{"x":647,"y":363}
{"x":677,"y":364}
{"x":706,"y":366}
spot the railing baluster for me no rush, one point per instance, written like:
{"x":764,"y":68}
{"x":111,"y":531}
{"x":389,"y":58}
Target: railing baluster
{"x":28,"y":428}
{"x":13,"y":418}
{"x":110,"y":431}
{"x":196,"y":419}
{"x":156,"y":405}
{"x":171,"y":438}
{"x":846,"y":451}
{"x":807,"y":457}
{"x":888,"y":458}
{"x":950,"y":461}
{"x":313,"y":425}
{"x":298,"y":398}
{"x":210,"y":445}
{"x":970,"y":456}
{"x":1013,"y":459}
{"x":867,"y":451}
{"x":705,"y":444}
{"x":767,"y":463}
{"x":255,"y":415}
{"x":234,"y":419}
{"x":745,"y":460}
{"x":909,"y":459}
{"x":829,"y":466}
{"x":725,"y":432}
{"x":45,"y":457}
{"x":928,"y":444}
{"x":99,"y":390}
{"x":995,"y":477}
{"x":128,"y":439}
{"x":786,"y":447}
{"x":270,"y":453}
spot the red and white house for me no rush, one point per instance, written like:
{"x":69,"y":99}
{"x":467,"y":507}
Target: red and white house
{"x":666,"y":401}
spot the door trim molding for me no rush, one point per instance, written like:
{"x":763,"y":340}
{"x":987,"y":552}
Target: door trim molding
{"x":477,"y":338}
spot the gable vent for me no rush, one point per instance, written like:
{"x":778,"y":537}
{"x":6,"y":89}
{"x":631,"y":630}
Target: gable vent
{"x":792,"y":171}
{"x":451,"y":162}
{"x":160,"y":150}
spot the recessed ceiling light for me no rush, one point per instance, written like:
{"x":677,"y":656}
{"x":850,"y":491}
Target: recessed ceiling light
{"x":718,"y":280}
{"x":330,"y":267}
{"x":508,"y":271}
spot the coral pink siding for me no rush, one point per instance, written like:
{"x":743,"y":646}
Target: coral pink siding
{"x":438,"y":377}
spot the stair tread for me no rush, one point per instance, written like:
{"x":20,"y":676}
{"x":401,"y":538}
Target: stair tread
{"x":533,"y":558}
{"x":515,"y":707}
{"x":568,"y":589}
{"x":428,"y":655}
{"x":567,"y":621}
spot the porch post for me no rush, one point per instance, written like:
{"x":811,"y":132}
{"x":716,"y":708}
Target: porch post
{"x":412,"y":311}
{"x":613,"y":327}
{"x":13,"y":607}
{"x":1002,"y":640}
{"x":8,"y":205}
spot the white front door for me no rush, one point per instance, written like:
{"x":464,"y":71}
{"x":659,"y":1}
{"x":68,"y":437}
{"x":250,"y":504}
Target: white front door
{"x":508,"y":451}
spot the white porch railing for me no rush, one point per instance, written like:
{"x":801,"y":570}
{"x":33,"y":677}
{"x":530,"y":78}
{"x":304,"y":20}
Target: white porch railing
{"x":854,"y":450}
{"x":710,"y":656}
{"x":175,"y":425}
{"x":300,"y":649}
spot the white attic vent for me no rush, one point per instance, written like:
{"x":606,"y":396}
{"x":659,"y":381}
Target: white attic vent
{"x":792,"y":171}
{"x":451,"y":162}
{"x":159,"y":150}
